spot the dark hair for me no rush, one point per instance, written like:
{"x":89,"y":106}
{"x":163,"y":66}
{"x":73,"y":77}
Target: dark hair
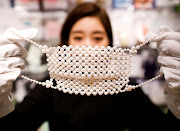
{"x":83,"y":10}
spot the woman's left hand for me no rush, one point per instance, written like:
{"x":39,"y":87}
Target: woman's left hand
{"x":168,"y":45}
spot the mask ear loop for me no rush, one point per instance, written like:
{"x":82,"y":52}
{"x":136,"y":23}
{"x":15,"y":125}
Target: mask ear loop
{"x":44,"y":49}
{"x":48,"y":51}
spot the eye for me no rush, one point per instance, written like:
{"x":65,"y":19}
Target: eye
{"x":98,"y":38}
{"x":78,"y":38}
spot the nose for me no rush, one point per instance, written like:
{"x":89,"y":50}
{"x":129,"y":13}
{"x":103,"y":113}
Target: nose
{"x":87,"y":42}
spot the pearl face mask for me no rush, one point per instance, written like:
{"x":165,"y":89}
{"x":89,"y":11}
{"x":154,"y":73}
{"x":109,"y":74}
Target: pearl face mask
{"x":89,"y":70}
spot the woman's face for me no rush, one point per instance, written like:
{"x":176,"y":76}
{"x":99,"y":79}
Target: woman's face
{"x":88,"y":31}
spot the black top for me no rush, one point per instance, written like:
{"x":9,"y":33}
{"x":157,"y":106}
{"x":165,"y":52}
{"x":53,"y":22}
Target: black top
{"x":70,"y":111}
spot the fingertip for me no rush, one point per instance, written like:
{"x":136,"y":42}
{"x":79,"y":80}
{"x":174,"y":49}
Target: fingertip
{"x":150,"y":35}
{"x":33,"y":32}
{"x":165,"y":28}
{"x":10,"y":30}
{"x":28,"y":33}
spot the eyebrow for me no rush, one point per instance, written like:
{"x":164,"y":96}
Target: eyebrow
{"x":98,"y":32}
{"x":94,"y":32}
{"x":73,"y":32}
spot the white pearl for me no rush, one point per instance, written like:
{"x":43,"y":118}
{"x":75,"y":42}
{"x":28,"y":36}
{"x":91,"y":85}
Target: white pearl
{"x":80,"y":55}
{"x":82,"y":93}
{"x":93,"y":55}
{"x":83,"y":58}
{"x":94,"y":93}
{"x":86,"y":61}
{"x":86,"y":55}
{"x":83,"y":52}
{"x":77,"y":52}
{"x":95,"y":76}
{"x":70,"y":52}
{"x":88,"y":93}
{"x":77,"y":58}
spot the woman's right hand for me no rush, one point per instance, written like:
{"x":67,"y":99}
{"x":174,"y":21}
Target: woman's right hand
{"x":12,"y":57}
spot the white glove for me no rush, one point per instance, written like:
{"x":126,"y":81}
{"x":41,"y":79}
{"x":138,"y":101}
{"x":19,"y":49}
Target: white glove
{"x":11,"y":63}
{"x":168,"y":45}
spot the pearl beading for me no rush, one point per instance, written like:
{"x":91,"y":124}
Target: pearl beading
{"x":89,"y":70}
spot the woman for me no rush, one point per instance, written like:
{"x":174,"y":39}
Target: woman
{"x":88,"y":24}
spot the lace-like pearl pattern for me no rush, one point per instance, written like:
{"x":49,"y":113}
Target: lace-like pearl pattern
{"x":89,"y":70}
